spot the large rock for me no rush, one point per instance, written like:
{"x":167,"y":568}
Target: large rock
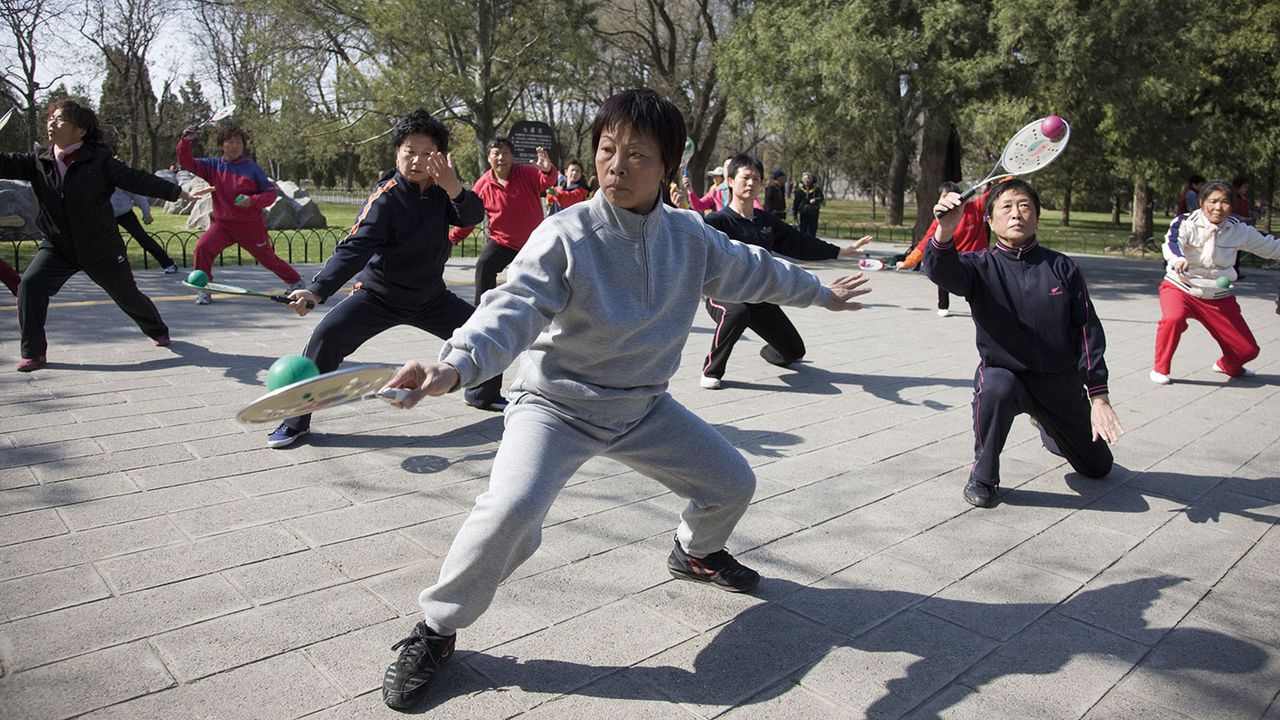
{"x":17,"y":201}
{"x":198,"y":209}
{"x":294,"y":209}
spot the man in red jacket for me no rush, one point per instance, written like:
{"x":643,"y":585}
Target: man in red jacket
{"x":512,"y":196}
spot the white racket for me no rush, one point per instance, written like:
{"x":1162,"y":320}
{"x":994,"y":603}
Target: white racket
{"x":1027,"y":151}
{"x":219,"y":114}
{"x":5,"y":120}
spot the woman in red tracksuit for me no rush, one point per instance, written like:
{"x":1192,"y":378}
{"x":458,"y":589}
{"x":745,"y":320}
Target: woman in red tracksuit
{"x":241,"y":191}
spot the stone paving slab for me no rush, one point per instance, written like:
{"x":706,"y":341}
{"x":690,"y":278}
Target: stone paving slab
{"x":157,"y":561}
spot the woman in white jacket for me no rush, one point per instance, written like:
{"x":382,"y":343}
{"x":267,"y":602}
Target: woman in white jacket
{"x":1200,"y":251}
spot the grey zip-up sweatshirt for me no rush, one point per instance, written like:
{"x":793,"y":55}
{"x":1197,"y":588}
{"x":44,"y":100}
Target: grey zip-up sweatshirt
{"x":603,"y":299}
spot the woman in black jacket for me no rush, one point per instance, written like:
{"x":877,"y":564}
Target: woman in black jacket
{"x":73,"y":180}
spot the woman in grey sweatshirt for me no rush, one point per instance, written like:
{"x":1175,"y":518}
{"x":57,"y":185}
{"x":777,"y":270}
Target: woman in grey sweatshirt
{"x":602,"y":298}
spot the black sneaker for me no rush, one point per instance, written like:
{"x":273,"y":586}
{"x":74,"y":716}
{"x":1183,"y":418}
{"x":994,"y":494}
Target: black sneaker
{"x":979,"y":494}
{"x":719,"y":569}
{"x":284,"y":436}
{"x":421,"y":655}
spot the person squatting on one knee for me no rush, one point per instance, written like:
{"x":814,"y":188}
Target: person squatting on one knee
{"x":602,"y":298}
{"x":741,"y":221}
{"x":241,"y":191}
{"x":1040,"y":343}
{"x":399,"y":246}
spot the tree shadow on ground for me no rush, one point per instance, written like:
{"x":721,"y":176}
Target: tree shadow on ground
{"x":238,"y":366}
{"x":747,"y":658}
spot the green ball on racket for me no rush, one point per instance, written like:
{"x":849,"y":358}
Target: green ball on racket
{"x":290,"y":369}
{"x":198,"y":278}
{"x":239,"y":199}
{"x":1224,"y":282}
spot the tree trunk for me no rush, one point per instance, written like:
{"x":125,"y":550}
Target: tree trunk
{"x":934,"y":142}
{"x":1066,"y":205}
{"x":897,"y":184}
{"x":1140,"y":229}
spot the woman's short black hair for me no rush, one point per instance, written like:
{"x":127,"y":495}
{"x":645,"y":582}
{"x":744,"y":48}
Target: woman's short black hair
{"x":1014,"y":184}
{"x":741,"y":160}
{"x":501,"y":141}
{"x":649,"y":113}
{"x":1215,"y":185}
{"x":81,"y":116}
{"x":226,"y":131}
{"x":420,"y":122}
{"x":948,"y":186}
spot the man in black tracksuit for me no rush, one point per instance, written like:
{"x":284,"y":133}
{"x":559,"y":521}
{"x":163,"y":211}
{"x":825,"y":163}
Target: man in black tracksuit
{"x":399,"y":245}
{"x":1039,"y":340}
{"x":740,"y":221}
{"x":73,"y":180}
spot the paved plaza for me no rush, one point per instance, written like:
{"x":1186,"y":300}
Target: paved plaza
{"x":158,"y":561}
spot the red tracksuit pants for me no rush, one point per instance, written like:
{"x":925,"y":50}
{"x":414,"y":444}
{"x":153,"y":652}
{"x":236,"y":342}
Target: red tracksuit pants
{"x":250,"y":236}
{"x":1221,"y":318}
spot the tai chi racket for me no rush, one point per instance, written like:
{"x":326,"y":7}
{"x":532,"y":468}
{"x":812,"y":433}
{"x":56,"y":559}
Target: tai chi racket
{"x":1029,"y":150}
{"x":1198,"y":287}
{"x":236,"y":290}
{"x":684,"y":156}
{"x":219,"y":114}
{"x":358,"y":382}
{"x":871,"y":264}
{"x":5,"y":120}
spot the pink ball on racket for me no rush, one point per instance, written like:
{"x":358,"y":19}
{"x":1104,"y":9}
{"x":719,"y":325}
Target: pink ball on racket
{"x":1053,"y":128}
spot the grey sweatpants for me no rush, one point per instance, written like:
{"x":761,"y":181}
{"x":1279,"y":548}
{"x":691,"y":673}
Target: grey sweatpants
{"x":543,"y":445}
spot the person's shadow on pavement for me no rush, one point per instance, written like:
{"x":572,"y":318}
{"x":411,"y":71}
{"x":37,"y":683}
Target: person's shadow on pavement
{"x":746,"y":659}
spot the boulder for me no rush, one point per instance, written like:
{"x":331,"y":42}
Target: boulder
{"x":294,"y":209}
{"x":17,"y":202}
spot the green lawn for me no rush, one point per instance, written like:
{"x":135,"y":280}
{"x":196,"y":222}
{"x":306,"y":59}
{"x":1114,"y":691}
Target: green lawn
{"x":1089,"y":233}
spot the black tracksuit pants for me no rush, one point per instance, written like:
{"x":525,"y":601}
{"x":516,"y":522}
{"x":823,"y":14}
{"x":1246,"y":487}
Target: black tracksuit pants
{"x":494,"y":258}
{"x":129,"y":222}
{"x":1057,"y":402}
{"x":784,"y":344}
{"x":49,"y":271}
{"x":362,"y":315}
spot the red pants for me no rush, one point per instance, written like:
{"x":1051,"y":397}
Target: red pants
{"x":9,"y":277}
{"x":1221,"y":318}
{"x":222,"y":235}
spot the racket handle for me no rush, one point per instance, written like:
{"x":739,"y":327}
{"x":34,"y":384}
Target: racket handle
{"x":965,"y":197}
{"x":285,"y":300}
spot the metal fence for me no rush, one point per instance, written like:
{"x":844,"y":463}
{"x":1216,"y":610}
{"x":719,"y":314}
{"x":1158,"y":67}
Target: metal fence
{"x":294,"y":246}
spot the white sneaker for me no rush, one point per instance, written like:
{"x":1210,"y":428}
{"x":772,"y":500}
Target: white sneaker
{"x":709,"y":383}
{"x":300,"y":285}
{"x":944,"y":313}
{"x":1159,"y":378}
{"x":203,"y":298}
{"x":1246,"y":372}
{"x":170,"y":269}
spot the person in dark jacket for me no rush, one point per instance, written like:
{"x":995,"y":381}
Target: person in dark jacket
{"x":73,"y":180}
{"x":806,"y":203}
{"x":775,"y":195}
{"x":1040,"y":343}
{"x":740,"y":221}
{"x":398,"y":246}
